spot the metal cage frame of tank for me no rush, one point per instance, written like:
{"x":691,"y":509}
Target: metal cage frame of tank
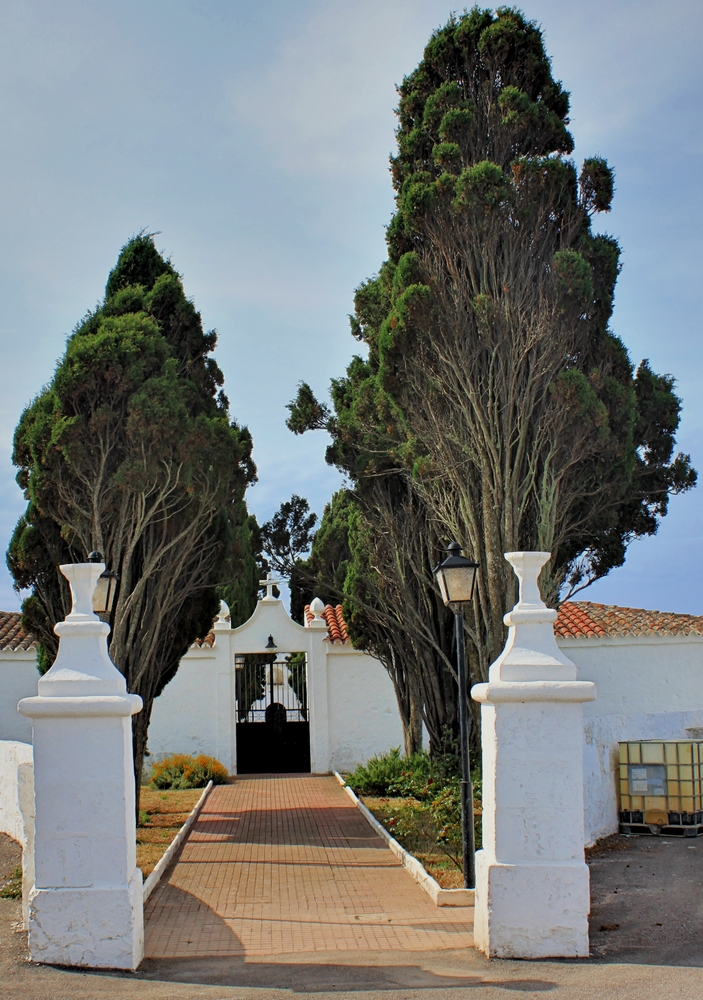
{"x":660,"y":787}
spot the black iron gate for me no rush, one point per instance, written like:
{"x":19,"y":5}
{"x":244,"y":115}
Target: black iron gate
{"x":273,"y":729}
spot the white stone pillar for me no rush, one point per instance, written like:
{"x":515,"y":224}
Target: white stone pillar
{"x":318,"y":694}
{"x":226,"y":695}
{"x":532,"y":889}
{"x":86,"y":906}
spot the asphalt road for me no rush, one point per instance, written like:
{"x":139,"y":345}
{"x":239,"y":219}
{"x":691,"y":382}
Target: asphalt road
{"x":647,"y":901}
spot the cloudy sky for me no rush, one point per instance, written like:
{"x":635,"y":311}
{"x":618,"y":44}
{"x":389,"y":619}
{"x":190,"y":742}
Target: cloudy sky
{"x":254,"y":136}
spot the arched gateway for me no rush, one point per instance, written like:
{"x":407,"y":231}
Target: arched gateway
{"x":274,"y":696}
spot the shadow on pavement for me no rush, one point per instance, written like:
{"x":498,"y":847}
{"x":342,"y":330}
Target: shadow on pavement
{"x":315,"y":977}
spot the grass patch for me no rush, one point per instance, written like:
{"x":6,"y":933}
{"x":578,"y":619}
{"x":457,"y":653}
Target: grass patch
{"x":12,"y":889}
{"x":161,"y":815}
{"x":413,"y":825}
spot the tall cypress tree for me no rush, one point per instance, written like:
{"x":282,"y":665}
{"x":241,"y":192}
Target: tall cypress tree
{"x":130,"y":451}
{"x":493,"y":386}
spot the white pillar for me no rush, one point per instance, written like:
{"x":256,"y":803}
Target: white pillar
{"x":86,"y":906}
{"x":532,"y":889}
{"x":225,"y":692}
{"x":318,"y":696}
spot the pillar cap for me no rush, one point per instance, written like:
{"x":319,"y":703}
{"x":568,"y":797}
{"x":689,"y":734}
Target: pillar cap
{"x":531,"y":652}
{"x":496,"y":692}
{"x":83,"y":666}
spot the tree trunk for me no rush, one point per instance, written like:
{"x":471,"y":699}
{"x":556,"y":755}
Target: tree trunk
{"x":412,"y":732}
{"x":140,"y":732}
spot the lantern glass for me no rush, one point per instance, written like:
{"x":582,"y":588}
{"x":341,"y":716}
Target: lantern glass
{"x":104,"y":593}
{"x":456,"y":584}
{"x":456,"y":577}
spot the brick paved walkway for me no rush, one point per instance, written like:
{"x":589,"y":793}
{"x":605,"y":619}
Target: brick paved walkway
{"x":284,"y":864}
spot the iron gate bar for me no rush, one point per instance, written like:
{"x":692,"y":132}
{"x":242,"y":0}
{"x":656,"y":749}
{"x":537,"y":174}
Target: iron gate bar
{"x":273,"y":732}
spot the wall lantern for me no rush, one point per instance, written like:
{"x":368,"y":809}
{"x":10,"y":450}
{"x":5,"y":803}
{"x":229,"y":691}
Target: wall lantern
{"x":271,"y":644}
{"x":456,"y":577}
{"x":105,"y":589}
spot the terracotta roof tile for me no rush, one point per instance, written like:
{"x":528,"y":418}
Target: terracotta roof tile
{"x":336,"y":626}
{"x":585,"y":618}
{"x":573,"y":620}
{"x":12,"y":635}
{"x":209,"y":640}
{"x":576,"y":619}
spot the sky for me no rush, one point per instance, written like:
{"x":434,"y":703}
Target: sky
{"x":254,"y":138}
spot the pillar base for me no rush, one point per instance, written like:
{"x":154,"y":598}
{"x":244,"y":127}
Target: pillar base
{"x":531,"y":910}
{"x":96,"y":928}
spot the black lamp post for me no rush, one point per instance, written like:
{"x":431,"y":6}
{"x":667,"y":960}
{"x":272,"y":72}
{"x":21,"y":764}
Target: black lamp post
{"x":105,"y":589}
{"x":456,"y":577}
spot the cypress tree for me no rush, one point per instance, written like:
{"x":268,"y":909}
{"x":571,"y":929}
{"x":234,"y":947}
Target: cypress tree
{"x":130,"y":451}
{"x":493,"y":386}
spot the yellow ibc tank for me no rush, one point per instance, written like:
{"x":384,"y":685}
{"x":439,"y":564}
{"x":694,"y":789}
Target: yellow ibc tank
{"x":660,"y":787}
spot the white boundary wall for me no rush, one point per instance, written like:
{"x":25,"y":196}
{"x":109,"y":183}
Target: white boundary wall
{"x":649,"y":687}
{"x":17,"y":807}
{"x":352,"y":703}
{"x":18,"y":679}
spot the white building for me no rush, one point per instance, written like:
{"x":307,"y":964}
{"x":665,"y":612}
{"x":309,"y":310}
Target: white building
{"x":648,"y":671}
{"x":647,"y":667}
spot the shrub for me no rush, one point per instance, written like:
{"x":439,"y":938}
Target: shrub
{"x":419,"y":776}
{"x":180,"y":770}
{"x":376,"y":775}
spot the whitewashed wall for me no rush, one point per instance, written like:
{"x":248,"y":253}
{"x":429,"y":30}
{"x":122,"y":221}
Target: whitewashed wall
{"x":363,"y":710}
{"x":18,"y":679}
{"x":649,"y":687}
{"x":184,"y":716}
{"x":17,"y":807}
{"x":353,"y":708}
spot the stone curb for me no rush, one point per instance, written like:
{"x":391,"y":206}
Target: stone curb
{"x":438,"y":895}
{"x":163,"y":863}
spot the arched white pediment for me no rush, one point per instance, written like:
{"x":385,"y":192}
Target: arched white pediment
{"x":271,"y":618}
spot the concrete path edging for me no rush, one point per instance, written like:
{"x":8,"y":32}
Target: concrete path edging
{"x":438,"y":895}
{"x":163,"y":862}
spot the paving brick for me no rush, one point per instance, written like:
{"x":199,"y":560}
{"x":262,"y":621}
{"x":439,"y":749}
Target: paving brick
{"x":282,"y":864}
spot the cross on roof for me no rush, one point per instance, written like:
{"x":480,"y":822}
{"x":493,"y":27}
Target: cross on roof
{"x":270,"y":582}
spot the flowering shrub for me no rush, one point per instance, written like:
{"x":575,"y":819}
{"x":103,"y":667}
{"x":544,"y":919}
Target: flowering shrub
{"x":180,"y":770}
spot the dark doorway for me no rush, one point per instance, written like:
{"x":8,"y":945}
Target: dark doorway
{"x":273,"y":729}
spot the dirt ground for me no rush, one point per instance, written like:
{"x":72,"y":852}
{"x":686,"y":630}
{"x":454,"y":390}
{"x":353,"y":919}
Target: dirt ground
{"x":647,"y":900}
{"x":10,"y":859}
{"x":646,"y":896}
